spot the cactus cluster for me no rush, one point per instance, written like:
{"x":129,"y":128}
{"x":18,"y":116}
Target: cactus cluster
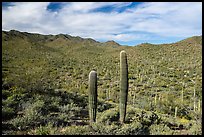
{"x":123,"y":90}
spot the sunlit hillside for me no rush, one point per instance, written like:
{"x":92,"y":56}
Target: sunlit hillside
{"x":45,"y":86}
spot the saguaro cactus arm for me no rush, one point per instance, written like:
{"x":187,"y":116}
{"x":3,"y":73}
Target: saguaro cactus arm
{"x":92,"y":95}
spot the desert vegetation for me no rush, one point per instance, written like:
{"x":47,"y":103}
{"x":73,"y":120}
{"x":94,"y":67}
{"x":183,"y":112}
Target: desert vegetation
{"x":47,"y":81}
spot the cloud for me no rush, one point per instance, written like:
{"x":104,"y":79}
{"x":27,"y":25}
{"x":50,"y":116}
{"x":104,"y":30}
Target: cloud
{"x":168,"y":19}
{"x":150,"y":20}
{"x":84,"y":7}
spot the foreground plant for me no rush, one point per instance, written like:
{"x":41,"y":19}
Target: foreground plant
{"x":123,"y":85}
{"x":92,"y":95}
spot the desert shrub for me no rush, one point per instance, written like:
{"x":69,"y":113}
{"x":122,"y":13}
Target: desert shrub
{"x":196,"y":128}
{"x":69,"y":107}
{"x":14,"y":100}
{"x":32,"y":116}
{"x":66,"y":108}
{"x":10,"y":105}
{"x":42,"y":131}
{"x":102,"y":106}
{"x":104,"y":129}
{"x":185,"y":123}
{"x":5,"y":94}
{"x":134,"y":128}
{"x":7,"y":113}
{"x":165,"y":119}
{"x":59,"y":108}
{"x":175,"y":123}
{"x":77,"y":130}
{"x":148,"y":118}
{"x":145,"y":117}
{"x":160,"y":129}
{"x":69,"y":112}
{"x":108,"y":116}
{"x":48,"y":129}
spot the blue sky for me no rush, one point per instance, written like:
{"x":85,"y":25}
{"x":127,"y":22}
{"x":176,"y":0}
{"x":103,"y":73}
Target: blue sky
{"x":128,"y":23}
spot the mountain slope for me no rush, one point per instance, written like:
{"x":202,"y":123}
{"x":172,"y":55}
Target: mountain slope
{"x":195,"y":40}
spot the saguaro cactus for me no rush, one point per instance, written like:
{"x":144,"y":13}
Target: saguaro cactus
{"x":123,"y":85}
{"x":194,"y":100}
{"x":182,"y":91}
{"x":176,"y":109}
{"x":92,"y":95}
{"x":199,"y":105}
{"x":155,"y":99}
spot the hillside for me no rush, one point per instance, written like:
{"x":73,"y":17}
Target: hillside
{"x":45,"y":82}
{"x":195,"y":40}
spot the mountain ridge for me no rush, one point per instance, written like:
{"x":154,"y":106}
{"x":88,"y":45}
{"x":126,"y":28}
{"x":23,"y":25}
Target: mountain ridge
{"x":196,"y":40}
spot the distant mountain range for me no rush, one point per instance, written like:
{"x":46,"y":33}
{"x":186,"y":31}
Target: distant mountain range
{"x":34,"y":37}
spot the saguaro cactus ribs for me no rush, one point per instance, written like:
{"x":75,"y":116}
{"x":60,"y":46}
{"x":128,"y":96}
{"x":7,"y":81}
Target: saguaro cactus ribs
{"x":123,"y":85}
{"x":92,"y":95}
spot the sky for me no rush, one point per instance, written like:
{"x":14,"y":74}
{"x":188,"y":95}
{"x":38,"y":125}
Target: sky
{"x":128,"y":23}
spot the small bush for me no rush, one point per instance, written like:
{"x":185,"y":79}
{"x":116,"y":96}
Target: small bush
{"x":7,"y":113}
{"x":130,"y":129}
{"x":196,"y":128}
{"x":102,"y":106}
{"x":76,"y":130}
{"x":160,"y":129}
{"x":104,"y":129}
{"x":48,"y":129}
{"x":109,"y":116}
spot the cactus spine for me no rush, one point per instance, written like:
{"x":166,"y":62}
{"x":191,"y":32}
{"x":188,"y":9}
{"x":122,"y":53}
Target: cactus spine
{"x":123,"y":85}
{"x":92,"y":95}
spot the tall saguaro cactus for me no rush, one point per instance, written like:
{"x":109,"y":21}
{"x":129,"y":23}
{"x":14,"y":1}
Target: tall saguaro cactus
{"x":176,"y":109}
{"x":123,"y":85}
{"x":92,"y":95}
{"x":194,"y":100}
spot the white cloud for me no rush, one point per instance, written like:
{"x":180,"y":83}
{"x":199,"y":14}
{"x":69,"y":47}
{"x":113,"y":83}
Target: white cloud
{"x":25,"y":12}
{"x":169,"y":19}
{"x":87,"y":6}
{"x":165,"y":19}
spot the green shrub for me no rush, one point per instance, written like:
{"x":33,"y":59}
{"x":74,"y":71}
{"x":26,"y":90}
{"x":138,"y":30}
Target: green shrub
{"x":5,"y":94}
{"x":160,"y":129}
{"x":48,"y":129}
{"x":134,"y":128}
{"x":102,"y":106}
{"x":32,"y":116}
{"x":108,"y":116}
{"x":69,"y":107}
{"x":144,"y":117}
{"x":77,"y":130}
{"x":69,"y":112}
{"x":104,"y":129}
{"x":7,"y":113}
{"x":196,"y":128}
